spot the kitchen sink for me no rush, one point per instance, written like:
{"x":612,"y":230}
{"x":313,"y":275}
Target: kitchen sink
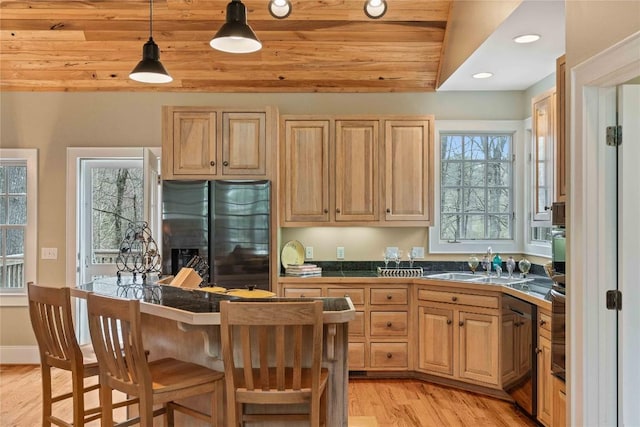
{"x":464,"y":277}
{"x":501,"y":280}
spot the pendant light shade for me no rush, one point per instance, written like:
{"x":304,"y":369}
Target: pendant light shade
{"x":236,"y":36}
{"x":150,"y":69}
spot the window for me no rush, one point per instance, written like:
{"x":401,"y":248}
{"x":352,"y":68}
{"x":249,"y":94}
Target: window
{"x":480,"y":174}
{"x":476,"y":186}
{"x":18,"y":225}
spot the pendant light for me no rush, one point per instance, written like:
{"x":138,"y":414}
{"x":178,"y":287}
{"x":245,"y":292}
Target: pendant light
{"x":150,"y":69}
{"x":280,"y":9}
{"x":235,"y":35}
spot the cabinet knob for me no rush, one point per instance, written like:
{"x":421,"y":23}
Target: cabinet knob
{"x":212,"y":163}
{"x":325,"y":210}
{"x":449,"y":321}
{"x":388,"y":210}
{"x":454,"y":298}
{"x":301,"y":295}
{"x":461,"y":323}
{"x":225,"y":163}
{"x":337,"y":210}
{"x":389,"y":355}
{"x":538,"y":350}
{"x":389,"y":297}
{"x":543,"y":322}
{"x":388,"y":324}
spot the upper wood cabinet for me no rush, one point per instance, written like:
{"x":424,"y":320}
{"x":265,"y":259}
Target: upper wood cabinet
{"x":211,"y":143}
{"x":305,"y":170}
{"x":544,"y":135}
{"x":339,"y":170}
{"x":561,"y":146}
{"x":408,"y":171}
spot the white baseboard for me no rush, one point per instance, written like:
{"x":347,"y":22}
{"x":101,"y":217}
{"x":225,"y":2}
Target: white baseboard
{"x":19,"y":355}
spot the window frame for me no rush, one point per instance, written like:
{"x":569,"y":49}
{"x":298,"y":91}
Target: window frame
{"x":18,"y":298}
{"x":514,"y":245}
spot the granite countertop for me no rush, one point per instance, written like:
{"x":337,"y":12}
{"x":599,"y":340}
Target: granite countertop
{"x":191,"y":300}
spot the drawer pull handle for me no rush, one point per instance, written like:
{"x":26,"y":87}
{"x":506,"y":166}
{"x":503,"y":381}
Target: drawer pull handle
{"x":543,"y":322}
{"x":538,"y":350}
{"x":225,"y":163}
{"x":454,"y":298}
{"x":461,"y":323}
{"x":388,"y":324}
{"x":449,"y":321}
{"x":301,"y":295}
{"x":389,"y":355}
{"x":389,"y":297}
{"x":212,"y":163}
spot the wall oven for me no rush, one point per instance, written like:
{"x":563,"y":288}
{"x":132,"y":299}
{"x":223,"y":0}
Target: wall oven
{"x":558,"y":343}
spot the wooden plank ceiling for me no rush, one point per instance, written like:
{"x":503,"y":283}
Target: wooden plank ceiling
{"x":323,"y":46}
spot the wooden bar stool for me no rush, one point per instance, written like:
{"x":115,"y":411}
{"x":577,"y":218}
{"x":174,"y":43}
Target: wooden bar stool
{"x":272,"y":363}
{"x":50,"y":312}
{"x":115,"y":327}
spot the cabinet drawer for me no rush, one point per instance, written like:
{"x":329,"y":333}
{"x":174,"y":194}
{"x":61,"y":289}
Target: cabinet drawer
{"x":544,"y":321}
{"x":388,"y":323}
{"x":356,"y":294}
{"x":389,"y":355}
{"x":389,"y":296}
{"x":356,"y":355}
{"x":459,"y":298}
{"x":356,"y":326}
{"x":303,"y":292}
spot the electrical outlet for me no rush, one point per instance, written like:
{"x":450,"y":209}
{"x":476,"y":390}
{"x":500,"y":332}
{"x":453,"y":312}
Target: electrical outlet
{"x":418,"y":251}
{"x":340,"y":252}
{"x":308,"y":252}
{"x":49,"y":253}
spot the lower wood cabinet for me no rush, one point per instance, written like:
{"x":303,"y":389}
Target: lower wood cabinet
{"x":379,"y":333}
{"x":559,"y":403}
{"x":545,"y":377}
{"x":456,"y":340}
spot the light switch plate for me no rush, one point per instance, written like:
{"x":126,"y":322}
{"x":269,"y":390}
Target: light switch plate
{"x":49,"y":253}
{"x":340,"y":252}
{"x":418,"y":251}
{"x":308,"y":252}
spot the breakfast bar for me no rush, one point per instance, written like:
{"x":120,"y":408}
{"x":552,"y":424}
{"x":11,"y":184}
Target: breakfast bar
{"x":185,"y":324}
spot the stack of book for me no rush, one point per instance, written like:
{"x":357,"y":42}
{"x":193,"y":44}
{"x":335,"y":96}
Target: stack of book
{"x":303,"y":270}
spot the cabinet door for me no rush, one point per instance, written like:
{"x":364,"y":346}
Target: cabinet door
{"x":244,"y":144}
{"x":193,"y":143}
{"x":559,"y":404}
{"x":543,"y":128}
{"x":435,"y":340}
{"x":478,"y":355}
{"x":356,"y":166}
{"x":561,"y":151}
{"x":545,"y":382}
{"x":408,"y":171}
{"x":306,"y":171}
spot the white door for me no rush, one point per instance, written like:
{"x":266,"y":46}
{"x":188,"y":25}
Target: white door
{"x":628,"y":255}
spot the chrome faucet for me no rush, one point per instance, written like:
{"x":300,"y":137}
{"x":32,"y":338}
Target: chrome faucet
{"x":486,"y":261}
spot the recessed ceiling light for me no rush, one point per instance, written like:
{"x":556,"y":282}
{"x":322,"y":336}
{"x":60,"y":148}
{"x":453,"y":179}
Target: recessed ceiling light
{"x":527,"y":38}
{"x":484,"y":75}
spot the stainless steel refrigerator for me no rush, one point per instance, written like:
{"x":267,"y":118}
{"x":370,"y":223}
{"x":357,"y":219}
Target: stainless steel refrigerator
{"x":226,"y":223}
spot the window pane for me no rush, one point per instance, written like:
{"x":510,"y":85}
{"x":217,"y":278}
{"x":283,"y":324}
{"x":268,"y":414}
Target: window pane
{"x":17,"y":179}
{"x":479,"y":206}
{"x":15,"y":242}
{"x":3,"y":209}
{"x":474,"y":174}
{"x":17,"y":212}
{"x":541,"y":234}
{"x":500,"y":226}
{"x":473,"y":226}
{"x":3,"y":180}
{"x":451,"y":200}
{"x":451,"y":174}
{"x":475,"y":148}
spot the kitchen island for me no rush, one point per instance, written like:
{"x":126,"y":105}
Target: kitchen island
{"x":185,"y":324}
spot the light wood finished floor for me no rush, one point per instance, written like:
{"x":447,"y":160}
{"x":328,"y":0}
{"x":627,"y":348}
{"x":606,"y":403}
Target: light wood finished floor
{"x":393,"y":403}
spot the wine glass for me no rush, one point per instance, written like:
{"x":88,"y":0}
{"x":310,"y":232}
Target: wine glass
{"x":386,"y":257}
{"x":473,"y":263}
{"x":411,"y":256}
{"x":398,"y":258}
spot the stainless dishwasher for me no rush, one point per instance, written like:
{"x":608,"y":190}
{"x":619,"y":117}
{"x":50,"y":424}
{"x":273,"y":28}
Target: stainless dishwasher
{"x":519,"y":359}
